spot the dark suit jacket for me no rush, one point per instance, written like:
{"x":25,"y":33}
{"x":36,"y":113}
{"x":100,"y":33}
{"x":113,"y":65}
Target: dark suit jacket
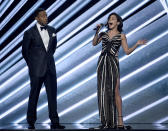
{"x":33,"y":50}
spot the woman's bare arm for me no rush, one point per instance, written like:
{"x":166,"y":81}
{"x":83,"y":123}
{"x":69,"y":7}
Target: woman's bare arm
{"x":97,"y":38}
{"x":125,"y":45}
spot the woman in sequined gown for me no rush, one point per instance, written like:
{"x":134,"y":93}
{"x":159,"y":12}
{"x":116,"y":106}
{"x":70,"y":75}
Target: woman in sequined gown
{"x":108,"y":73}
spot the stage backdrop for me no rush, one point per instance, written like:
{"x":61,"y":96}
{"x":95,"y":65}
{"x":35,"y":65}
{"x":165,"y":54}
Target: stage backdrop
{"x":144,"y":73}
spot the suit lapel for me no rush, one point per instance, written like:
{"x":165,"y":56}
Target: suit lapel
{"x":38,"y":36}
{"x":50,"y":37}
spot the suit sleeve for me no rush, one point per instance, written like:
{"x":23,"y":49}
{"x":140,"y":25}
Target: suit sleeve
{"x":25,"y":46}
{"x":55,"y":45}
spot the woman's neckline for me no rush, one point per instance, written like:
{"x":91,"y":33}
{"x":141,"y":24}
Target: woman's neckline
{"x":112,"y":36}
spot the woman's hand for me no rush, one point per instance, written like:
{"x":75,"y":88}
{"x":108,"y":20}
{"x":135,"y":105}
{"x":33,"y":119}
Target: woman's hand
{"x":98,"y":27}
{"x":141,"y":42}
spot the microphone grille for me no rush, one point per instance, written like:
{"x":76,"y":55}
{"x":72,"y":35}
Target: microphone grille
{"x":101,"y":24}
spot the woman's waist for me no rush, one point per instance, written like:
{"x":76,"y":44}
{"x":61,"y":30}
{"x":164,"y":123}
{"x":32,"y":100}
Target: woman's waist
{"x":109,"y":52}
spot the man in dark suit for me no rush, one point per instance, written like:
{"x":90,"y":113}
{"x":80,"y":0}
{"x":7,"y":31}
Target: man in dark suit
{"x":39,"y":45}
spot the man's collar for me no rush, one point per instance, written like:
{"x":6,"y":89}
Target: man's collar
{"x":39,"y":26}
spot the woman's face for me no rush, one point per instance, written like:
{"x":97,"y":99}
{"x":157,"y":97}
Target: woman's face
{"x":112,"y":22}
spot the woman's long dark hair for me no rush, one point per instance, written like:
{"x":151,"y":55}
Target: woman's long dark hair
{"x":119,"y":19}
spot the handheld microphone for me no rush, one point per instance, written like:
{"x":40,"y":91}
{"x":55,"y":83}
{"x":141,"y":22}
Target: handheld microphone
{"x":98,"y":27}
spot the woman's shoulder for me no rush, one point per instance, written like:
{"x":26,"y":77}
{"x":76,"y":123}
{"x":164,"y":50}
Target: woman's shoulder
{"x":123,"y":36}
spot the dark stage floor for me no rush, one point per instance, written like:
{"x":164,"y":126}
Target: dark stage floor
{"x":39,"y":126}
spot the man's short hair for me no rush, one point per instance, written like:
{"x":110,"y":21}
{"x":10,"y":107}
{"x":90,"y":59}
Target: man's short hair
{"x":37,"y":11}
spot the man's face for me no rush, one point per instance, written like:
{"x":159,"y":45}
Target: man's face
{"x":42,"y":18}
